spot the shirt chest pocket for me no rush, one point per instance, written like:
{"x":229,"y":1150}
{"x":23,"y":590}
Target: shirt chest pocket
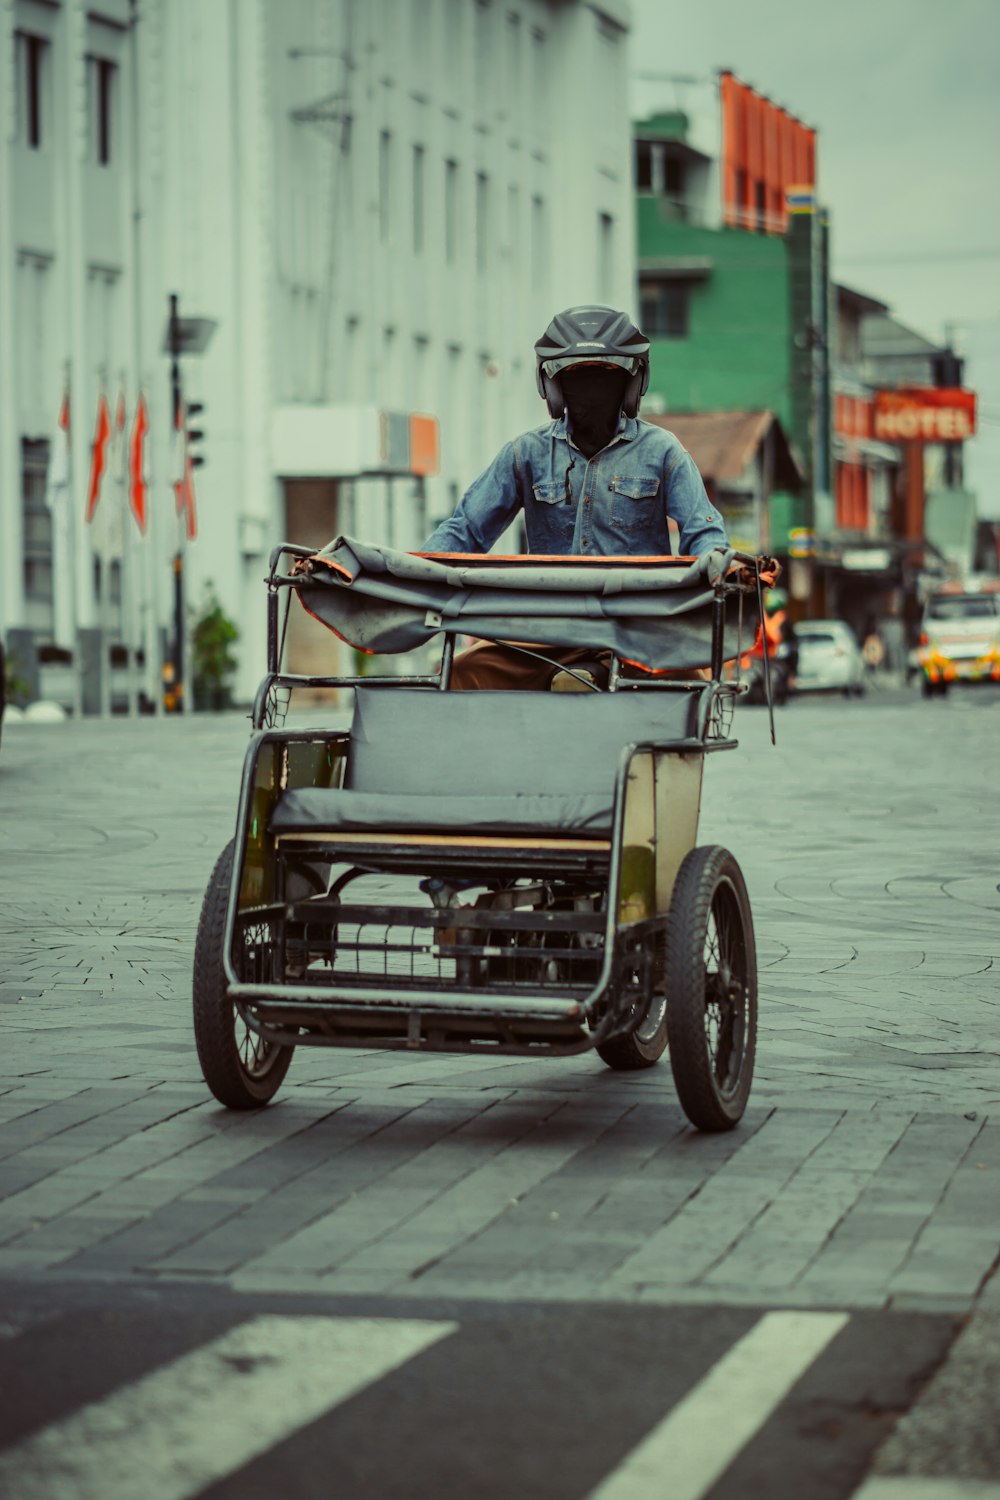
{"x":633,"y":501}
{"x":551,"y":491}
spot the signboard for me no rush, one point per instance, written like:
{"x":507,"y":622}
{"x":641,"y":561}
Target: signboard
{"x":866,"y":559}
{"x":926,"y":414}
{"x":801,"y":542}
{"x":349,"y":441}
{"x":800,"y":200}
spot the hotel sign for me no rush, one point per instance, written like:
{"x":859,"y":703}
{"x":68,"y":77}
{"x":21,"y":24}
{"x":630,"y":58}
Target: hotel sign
{"x":925,"y":414}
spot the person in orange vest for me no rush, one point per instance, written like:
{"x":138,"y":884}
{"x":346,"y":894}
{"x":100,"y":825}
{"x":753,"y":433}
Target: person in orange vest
{"x":782,"y":647}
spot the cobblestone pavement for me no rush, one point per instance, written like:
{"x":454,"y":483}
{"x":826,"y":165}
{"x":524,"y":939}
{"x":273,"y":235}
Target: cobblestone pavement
{"x":867,"y":1172}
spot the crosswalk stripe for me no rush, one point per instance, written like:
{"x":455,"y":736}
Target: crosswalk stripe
{"x":697,"y":1441}
{"x":197,"y":1419}
{"x":926,"y":1487}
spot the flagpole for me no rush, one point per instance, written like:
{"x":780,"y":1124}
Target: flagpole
{"x":143,"y":620}
{"x":105,"y":540}
{"x":58,"y":499}
{"x":128,"y":582}
{"x":177,"y":407}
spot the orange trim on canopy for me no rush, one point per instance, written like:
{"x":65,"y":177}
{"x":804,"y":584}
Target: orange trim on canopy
{"x":327,"y":562}
{"x":569,"y":559}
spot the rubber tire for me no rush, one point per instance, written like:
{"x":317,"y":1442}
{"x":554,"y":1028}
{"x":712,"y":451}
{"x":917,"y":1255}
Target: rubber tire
{"x":627,"y":1054}
{"x":214,"y":1017}
{"x":708,"y":1105}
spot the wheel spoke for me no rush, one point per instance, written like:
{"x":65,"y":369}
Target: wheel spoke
{"x":725,"y":989}
{"x":255,"y":1052}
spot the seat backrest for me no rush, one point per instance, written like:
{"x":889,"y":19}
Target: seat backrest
{"x":419,"y":740}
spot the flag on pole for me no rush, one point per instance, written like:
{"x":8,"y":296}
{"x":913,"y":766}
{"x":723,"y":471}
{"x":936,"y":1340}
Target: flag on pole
{"x":112,"y":532}
{"x":57,"y":499}
{"x":99,"y":455}
{"x":58,"y":475}
{"x":184,"y":473}
{"x":137,"y":478}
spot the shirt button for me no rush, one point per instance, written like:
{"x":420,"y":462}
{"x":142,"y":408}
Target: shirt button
{"x":586,"y":546}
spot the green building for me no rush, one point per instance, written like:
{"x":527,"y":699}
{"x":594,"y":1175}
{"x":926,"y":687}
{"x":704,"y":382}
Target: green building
{"x":737,"y":316}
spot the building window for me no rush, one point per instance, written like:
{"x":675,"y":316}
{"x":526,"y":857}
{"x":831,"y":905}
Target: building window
{"x":31,"y":54}
{"x":100,"y":103}
{"x":741,"y":198}
{"x":482,"y":220}
{"x":420,"y":20}
{"x":512,"y":88}
{"x":384,"y":184}
{"x":485,"y":61}
{"x":539,"y":267}
{"x":418,"y":198}
{"x":648,"y":166}
{"x":454,"y":39}
{"x":605,"y":254}
{"x":419,"y":395}
{"x":665,"y":309}
{"x":37,"y":521}
{"x":514,"y":220}
{"x":760,"y":206}
{"x":540,"y":86}
{"x":450,"y":211}
{"x":659,"y":170}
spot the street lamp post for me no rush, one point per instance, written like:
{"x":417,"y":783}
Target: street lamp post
{"x":183,"y":336}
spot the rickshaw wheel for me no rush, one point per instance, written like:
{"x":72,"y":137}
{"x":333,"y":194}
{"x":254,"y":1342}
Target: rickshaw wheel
{"x":243,"y":1070}
{"x":643,"y":1047}
{"x":711,"y":975}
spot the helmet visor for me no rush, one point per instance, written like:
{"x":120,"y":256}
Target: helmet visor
{"x":552,"y":367}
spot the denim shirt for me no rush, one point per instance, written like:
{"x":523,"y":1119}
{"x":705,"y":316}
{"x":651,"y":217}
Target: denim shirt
{"x":614,"y":504}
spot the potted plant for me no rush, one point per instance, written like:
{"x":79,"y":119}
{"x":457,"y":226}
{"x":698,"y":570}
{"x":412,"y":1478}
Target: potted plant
{"x":213,"y":665}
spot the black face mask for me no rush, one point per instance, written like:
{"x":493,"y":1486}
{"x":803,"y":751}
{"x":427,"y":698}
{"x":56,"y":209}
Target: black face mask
{"x":594,"y":396}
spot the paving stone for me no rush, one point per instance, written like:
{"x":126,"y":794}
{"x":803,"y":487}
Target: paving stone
{"x":879,"y":948}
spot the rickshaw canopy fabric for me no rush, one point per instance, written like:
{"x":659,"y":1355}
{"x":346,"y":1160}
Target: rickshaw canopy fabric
{"x":653,"y":612}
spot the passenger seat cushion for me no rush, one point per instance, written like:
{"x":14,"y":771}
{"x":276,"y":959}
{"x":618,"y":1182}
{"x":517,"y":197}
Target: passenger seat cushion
{"x":321,"y":809}
{"x":422,"y":741}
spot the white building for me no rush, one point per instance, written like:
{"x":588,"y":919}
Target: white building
{"x":379,"y":203}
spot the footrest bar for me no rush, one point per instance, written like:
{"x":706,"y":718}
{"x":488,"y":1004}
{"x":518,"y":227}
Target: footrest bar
{"x":433,"y":1002}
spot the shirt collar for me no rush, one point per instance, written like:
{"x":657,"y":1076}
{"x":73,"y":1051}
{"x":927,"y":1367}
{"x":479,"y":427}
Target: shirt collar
{"x":628,"y":429}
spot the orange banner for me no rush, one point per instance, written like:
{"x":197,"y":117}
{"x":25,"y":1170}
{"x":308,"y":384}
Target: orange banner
{"x":928,"y":414}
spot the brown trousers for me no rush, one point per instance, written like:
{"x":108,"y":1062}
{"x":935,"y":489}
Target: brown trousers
{"x":488,"y":666}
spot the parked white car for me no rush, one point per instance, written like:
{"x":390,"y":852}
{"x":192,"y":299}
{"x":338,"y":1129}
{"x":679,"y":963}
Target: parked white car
{"x":829,"y":657}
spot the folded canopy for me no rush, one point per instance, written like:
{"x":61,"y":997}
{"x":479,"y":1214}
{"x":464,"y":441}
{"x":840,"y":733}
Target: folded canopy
{"x":655,"y":612}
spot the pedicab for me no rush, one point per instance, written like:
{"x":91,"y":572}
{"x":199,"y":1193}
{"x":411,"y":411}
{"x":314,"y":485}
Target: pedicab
{"x":490,"y":872}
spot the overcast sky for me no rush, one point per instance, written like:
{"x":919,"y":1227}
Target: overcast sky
{"x":906,"y":100}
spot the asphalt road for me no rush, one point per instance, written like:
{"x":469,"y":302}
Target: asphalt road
{"x":196,"y":1392}
{"x":505,"y":1277}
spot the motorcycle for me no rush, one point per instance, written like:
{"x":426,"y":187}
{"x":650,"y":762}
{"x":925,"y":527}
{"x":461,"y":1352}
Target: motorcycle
{"x":781,"y":661}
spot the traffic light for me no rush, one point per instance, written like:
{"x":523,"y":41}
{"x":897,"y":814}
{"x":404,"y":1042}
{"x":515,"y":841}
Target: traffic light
{"x":195,"y":435}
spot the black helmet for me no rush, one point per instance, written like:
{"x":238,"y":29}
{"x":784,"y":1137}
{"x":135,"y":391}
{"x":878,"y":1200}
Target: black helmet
{"x":591,"y":335}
